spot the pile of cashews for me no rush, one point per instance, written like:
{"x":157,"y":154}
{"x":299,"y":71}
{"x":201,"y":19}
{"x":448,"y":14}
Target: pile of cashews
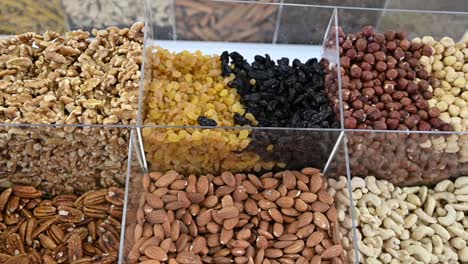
{"x":405,"y":225}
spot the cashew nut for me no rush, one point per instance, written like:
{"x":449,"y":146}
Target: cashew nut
{"x":386,"y":233}
{"x":447,"y":196}
{"x":458,"y":242}
{"x":372,"y":185}
{"x":414,"y":199}
{"x":450,"y":218}
{"x":460,"y":182}
{"x":458,"y":232}
{"x":438,"y":244}
{"x":419,"y":252}
{"x":422,"y":231}
{"x":357,"y":183}
{"x":410,"y":220}
{"x":462,"y":190}
{"x":430,"y":205}
{"x":396,"y":217}
{"x":371,"y":198}
{"x":442,"y":186}
{"x":463,"y":254}
{"x":441,"y":231}
{"x":423,"y":194}
{"x":425,"y":217}
{"x":366,"y":250}
{"x":461,"y":198}
{"x":460,"y":207}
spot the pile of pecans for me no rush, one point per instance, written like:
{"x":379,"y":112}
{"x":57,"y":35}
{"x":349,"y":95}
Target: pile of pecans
{"x":384,"y":84}
{"x":63,"y":229}
{"x":286,"y":217}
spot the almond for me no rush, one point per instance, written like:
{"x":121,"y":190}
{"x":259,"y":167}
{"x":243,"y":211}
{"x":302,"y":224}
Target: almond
{"x":228,"y":212}
{"x":250,"y":207}
{"x":273,"y":253}
{"x":154,"y":200}
{"x":319,"y":207}
{"x":316,"y":260}
{"x":269,"y":183}
{"x":278,"y":229}
{"x":203,"y":185}
{"x":316,"y":182}
{"x":276,"y":215}
{"x":187,"y":257}
{"x":321,"y":221}
{"x":166,"y":179}
{"x":228,"y":178}
{"x":157,"y":216}
{"x":289,"y":180}
{"x":325,"y":197}
{"x":198,"y":245}
{"x":315,"y":238}
{"x":305,"y":231}
{"x":285,"y":202}
{"x":305,"y":219}
{"x":226,"y":236}
{"x":155,"y":252}
{"x":296,"y":247}
{"x":332,"y":214}
{"x":332,"y":252}
{"x":300,"y":205}
{"x":310,"y":171}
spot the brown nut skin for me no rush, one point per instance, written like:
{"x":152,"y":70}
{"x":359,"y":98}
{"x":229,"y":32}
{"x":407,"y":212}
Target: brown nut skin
{"x":381,"y":66}
{"x":392,"y":123}
{"x":416,"y":46}
{"x":421,"y":104}
{"x":366,"y":66}
{"x":433,"y":112}
{"x":423,"y":85}
{"x":417,"y":55}
{"x":402,"y":35}
{"x":389,"y":87}
{"x":390,"y":35}
{"x":350,"y":122}
{"x":423,"y":115}
{"x":405,"y":101}
{"x":360,"y":115}
{"x":368,"y":31}
{"x":380,"y":125}
{"x":366,"y":76}
{"x":413,"y":62}
{"x":427,"y":50}
{"x":345,"y":62}
{"x":410,"y":75}
{"x":373,"y":47}
{"x":373,"y":114}
{"x":436,"y":122}
{"x":386,"y":98}
{"x":351,"y":53}
{"x":402,"y":83}
{"x":402,"y":127}
{"x":411,"y":121}
{"x":357,"y":104}
{"x":446,"y":127}
{"x":424,"y":126}
{"x":427,"y":95}
{"x":422,"y":74}
{"x":380,"y":56}
{"x":405,"y":44}
{"x":401,"y":73}
{"x":398,"y":95}
{"x":361,"y":44}
{"x":412,"y":88}
{"x":410,"y":109}
{"x":369,"y":58}
{"x":378,"y":89}
{"x":369,"y":92}
{"x":394,"y":115}
{"x":393,"y":106}
{"x":379,"y":38}
{"x":356,"y":71}
{"x":391,"y":74}
{"x":399,"y":54}
{"x":391,"y":46}
{"x":347,"y":44}
{"x":368,"y":84}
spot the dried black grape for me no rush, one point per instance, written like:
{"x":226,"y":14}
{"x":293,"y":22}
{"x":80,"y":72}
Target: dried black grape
{"x":205,"y":121}
{"x":240,"y":120}
{"x":280,"y":94}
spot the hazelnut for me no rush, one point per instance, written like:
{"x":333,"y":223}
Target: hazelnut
{"x":391,"y":45}
{"x":361,"y":45}
{"x":410,"y":75}
{"x":394,"y":114}
{"x":347,"y":44}
{"x":399,"y":54}
{"x":427,"y":50}
{"x":417,"y":55}
{"x":427,"y":95}
{"x":405,"y":101}
{"x":412,"y":88}
{"x":368,"y":31}
{"x":369,"y":92}
{"x":345,"y":62}
{"x":356,"y":84}
{"x":351,"y":53}
{"x":350,"y":122}
{"x":386,"y":98}
{"x":393,"y":106}
{"x":345,"y":94}
{"x":391,"y":74}
{"x":392,"y":123}
{"x":360,"y":55}
{"x":416,"y":46}
{"x":405,"y":44}
{"x":423,"y":114}
{"x":410,"y":109}
{"x":390,"y":35}
{"x":402,"y":127}
{"x":402,"y":35}
{"x":433,"y":112}
{"x":356,"y":71}
{"x":424,"y":126}
{"x":397,"y":95}
{"x":416,"y":96}
{"x":422,"y":74}
{"x":389,"y":87}
{"x":367,"y":76}
{"x":411,"y":121}
{"x":381,"y":106}
{"x":408,"y":55}
{"x":373,"y":47}
{"x":345,"y":81}
{"x":380,"y":56}
{"x":401,"y":73}
{"x":357,"y":104}
{"x":368,"y":84}
{"x":402,"y":83}
{"x":381,"y":66}
{"x":446,"y":127}
{"x":369,"y":58}
{"x":360,"y":115}
{"x":404,"y":65}
{"x":423,"y":84}
{"x":378,"y":89}
{"x":436,"y":122}
{"x":421,"y":104}
{"x":379,"y":38}
{"x":403,"y":114}
{"x":373,"y":114}
{"x":366,"y":66}
{"x":361,"y":126}
{"x":380,"y":125}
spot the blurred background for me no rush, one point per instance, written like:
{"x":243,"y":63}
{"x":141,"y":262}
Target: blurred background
{"x":181,"y":18}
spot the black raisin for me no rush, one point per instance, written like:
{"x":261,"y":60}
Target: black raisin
{"x":205,"y":121}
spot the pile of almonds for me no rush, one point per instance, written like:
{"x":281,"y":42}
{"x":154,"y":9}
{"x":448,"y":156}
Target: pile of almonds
{"x":64,"y":229}
{"x":384,"y":84}
{"x":286,"y":217}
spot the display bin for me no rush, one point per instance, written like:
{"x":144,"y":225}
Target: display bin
{"x":400,"y":196}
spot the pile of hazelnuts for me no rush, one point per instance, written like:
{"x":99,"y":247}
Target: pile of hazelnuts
{"x":384,"y":85}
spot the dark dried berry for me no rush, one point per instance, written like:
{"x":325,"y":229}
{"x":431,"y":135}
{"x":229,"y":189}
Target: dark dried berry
{"x":205,"y":121}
